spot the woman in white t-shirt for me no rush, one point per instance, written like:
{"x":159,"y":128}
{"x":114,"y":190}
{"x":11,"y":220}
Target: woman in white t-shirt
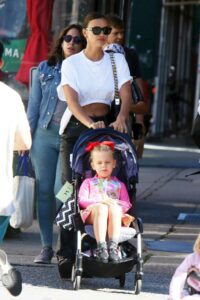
{"x":87,"y":84}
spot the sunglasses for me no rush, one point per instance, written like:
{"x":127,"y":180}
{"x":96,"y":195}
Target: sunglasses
{"x":97,"y":30}
{"x":68,"y":38}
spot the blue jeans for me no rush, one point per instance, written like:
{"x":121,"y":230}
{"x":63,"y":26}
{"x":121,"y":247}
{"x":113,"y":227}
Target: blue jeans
{"x":46,"y":162}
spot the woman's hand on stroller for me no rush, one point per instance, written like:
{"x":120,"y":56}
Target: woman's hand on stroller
{"x":120,"y":124}
{"x":96,"y":125}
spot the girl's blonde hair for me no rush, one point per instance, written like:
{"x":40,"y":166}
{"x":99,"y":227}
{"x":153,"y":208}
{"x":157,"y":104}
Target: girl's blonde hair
{"x":196,"y":247}
{"x":100,"y":148}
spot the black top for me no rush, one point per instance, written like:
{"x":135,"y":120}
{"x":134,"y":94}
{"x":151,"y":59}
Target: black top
{"x":133,"y":61}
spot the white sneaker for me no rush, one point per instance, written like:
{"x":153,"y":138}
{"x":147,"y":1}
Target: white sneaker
{"x":11,"y":278}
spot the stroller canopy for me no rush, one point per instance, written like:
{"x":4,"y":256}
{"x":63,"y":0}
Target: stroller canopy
{"x":127,"y":165}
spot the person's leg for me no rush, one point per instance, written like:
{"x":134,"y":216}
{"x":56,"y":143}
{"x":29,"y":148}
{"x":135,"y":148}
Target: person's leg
{"x":44,"y":155}
{"x":99,"y":218}
{"x":114,"y":226}
{"x":114,"y":222}
{"x":67,"y":239}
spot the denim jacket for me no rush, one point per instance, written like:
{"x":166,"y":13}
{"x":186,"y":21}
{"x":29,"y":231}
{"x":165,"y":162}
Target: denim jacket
{"x":43,"y":95}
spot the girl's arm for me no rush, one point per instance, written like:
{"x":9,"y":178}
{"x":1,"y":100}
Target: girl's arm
{"x":124,"y":198}
{"x":84,"y":195}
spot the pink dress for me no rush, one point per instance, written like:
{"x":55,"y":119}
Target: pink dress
{"x":176,"y":290}
{"x":92,"y":190}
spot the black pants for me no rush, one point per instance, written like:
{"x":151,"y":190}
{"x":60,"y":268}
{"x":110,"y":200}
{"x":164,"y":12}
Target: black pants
{"x":67,"y":239}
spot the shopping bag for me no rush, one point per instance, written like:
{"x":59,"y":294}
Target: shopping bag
{"x":67,"y":216}
{"x":23,"y":191}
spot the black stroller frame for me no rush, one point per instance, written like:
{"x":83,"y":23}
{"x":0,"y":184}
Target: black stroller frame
{"x":89,"y":265}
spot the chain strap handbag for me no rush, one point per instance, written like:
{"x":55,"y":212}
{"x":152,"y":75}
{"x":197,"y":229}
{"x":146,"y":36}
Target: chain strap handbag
{"x":115,"y":107}
{"x":116,"y":103}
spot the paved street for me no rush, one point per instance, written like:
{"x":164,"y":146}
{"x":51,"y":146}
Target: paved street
{"x":164,"y":192}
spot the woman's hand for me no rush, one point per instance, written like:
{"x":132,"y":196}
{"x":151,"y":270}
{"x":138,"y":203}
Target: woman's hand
{"x":120,"y":124}
{"x":96,"y":125}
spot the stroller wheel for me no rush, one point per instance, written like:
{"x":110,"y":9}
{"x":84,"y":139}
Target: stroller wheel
{"x":77,"y":282}
{"x":76,"y":279}
{"x":138,"y":286}
{"x":122,"y":279}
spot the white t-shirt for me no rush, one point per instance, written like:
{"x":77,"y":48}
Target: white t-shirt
{"x":12,"y":120}
{"x":93,"y":81}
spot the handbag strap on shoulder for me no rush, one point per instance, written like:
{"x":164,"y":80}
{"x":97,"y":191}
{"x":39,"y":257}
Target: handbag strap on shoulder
{"x":114,"y":69}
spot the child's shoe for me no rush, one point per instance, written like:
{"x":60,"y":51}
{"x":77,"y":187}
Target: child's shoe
{"x":113,"y":251}
{"x":102,"y":252}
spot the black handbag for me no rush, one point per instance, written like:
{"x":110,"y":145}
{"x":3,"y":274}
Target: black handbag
{"x":115,"y":106}
{"x":67,"y":217}
{"x":136,"y":91}
{"x":196,"y":131}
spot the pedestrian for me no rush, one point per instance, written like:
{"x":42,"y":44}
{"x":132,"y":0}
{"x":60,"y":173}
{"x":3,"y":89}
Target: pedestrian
{"x":15,"y":135}
{"x":117,"y":36}
{"x":44,"y":114}
{"x":87,"y":84}
{"x":104,"y":201}
{"x":185,"y":283}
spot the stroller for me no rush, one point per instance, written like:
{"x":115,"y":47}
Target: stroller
{"x":127,"y":172}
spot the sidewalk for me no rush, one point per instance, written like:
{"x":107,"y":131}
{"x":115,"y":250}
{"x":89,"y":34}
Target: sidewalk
{"x":162,"y":194}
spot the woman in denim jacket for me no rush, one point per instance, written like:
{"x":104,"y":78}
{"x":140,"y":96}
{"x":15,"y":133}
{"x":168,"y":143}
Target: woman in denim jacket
{"x":44,"y":115}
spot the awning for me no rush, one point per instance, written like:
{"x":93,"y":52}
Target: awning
{"x":40,"y":18}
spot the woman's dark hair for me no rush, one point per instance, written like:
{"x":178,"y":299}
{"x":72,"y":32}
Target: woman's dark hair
{"x":56,"y":54}
{"x":92,"y":16}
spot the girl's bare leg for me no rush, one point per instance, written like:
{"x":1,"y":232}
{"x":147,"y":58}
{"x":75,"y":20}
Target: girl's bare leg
{"x":99,"y":218}
{"x":114,"y":222}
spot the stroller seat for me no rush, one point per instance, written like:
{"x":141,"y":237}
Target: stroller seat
{"x":126,"y":233}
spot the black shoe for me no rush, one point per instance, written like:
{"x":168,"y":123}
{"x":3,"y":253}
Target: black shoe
{"x":45,"y":256}
{"x":65,"y":266}
{"x":12,"y":281}
{"x":113,"y":252}
{"x":102,"y":254}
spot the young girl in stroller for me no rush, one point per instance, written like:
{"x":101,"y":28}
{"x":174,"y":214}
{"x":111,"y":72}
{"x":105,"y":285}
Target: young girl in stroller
{"x":104,"y":200}
{"x":117,"y":194}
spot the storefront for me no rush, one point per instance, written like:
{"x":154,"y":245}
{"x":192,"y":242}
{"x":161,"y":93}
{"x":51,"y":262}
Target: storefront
{"x":177,"y":79}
